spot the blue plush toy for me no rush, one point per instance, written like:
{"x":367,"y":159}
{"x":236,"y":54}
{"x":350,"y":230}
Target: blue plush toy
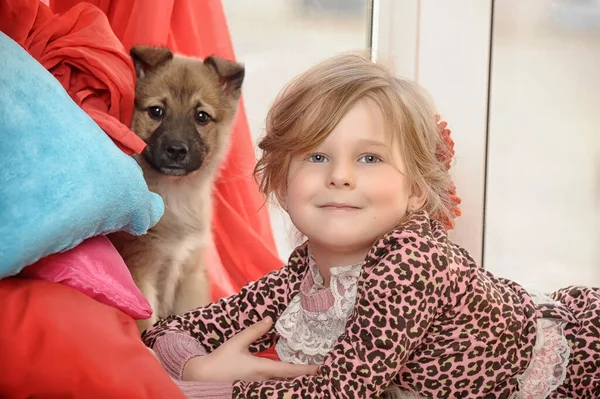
{"x":62,"y":179}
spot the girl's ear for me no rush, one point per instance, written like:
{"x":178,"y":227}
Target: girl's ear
{"x":282,"y":198}
{"x":418,"y":197}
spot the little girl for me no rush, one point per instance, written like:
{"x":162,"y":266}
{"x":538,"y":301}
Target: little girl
{"x":377,"y":300}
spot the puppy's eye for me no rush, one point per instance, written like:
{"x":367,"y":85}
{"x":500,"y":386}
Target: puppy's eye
{"x":202,"y":117}
{"x":156,"y":112}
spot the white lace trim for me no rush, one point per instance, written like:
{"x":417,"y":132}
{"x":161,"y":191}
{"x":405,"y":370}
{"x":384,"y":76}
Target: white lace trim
{"x":548,"y":367}
{"x":307,"y":336}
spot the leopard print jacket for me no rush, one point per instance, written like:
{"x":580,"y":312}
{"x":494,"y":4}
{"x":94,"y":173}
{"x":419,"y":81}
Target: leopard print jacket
{"x":426,"y":319}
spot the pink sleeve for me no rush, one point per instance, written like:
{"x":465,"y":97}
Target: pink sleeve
{"x":205,"y":390}
{"x":400,"y":293}
{"x":174,"y":349}
{"x":210,"y":326}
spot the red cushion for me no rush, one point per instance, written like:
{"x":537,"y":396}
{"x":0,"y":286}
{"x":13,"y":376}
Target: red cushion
{"x":56,"y":342}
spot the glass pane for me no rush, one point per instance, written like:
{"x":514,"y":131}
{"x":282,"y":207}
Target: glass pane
{"x":280,"y":39}
{"x":543,"y":185}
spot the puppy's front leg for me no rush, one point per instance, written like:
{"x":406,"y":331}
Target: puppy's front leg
{"x":193,"y":290}
{"x":141,"y":258}
{"x":148,"y":288}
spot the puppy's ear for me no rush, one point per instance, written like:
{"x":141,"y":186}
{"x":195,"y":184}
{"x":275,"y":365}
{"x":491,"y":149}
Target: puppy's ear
{"x":148,"y":58}
{"x":231,"y":74}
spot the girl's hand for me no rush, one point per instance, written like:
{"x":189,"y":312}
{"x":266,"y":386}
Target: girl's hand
{"x":232,"y":361}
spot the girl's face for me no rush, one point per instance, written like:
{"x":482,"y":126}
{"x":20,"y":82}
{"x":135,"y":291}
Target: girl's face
{"x":351,"y":189}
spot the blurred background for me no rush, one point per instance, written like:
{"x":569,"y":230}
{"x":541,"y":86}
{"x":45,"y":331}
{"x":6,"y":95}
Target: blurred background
{"x":517,"y":81}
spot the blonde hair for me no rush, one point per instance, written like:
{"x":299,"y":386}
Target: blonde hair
{"x":311,"y":105}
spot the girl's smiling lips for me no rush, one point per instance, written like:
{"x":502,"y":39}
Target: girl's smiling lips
{"x":338,"y":206}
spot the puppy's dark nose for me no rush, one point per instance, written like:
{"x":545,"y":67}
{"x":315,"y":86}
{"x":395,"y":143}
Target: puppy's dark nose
{"x":177,"y":150}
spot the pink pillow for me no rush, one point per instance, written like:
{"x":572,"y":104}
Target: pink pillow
{"x":95,"y":268}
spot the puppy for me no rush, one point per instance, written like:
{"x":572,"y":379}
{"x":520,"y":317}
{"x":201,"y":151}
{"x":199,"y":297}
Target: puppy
{"x":184,"y":109}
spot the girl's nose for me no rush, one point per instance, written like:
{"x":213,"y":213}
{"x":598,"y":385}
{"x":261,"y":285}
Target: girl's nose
{"x":341,"y":175}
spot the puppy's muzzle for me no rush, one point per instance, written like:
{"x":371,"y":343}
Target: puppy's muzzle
{"x":175,"y":156}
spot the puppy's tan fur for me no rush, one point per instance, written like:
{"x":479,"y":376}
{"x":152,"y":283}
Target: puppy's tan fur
{"x":167,"y":263}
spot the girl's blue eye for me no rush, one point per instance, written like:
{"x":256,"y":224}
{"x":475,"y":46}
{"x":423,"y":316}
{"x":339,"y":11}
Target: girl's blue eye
{"x":317,"y":158}
{"x":369,"y":159}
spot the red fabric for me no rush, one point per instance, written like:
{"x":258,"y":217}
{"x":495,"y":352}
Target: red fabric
{"x":242,"y":230}
{"x":58,"y":343}
{"x":81,"y":51}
